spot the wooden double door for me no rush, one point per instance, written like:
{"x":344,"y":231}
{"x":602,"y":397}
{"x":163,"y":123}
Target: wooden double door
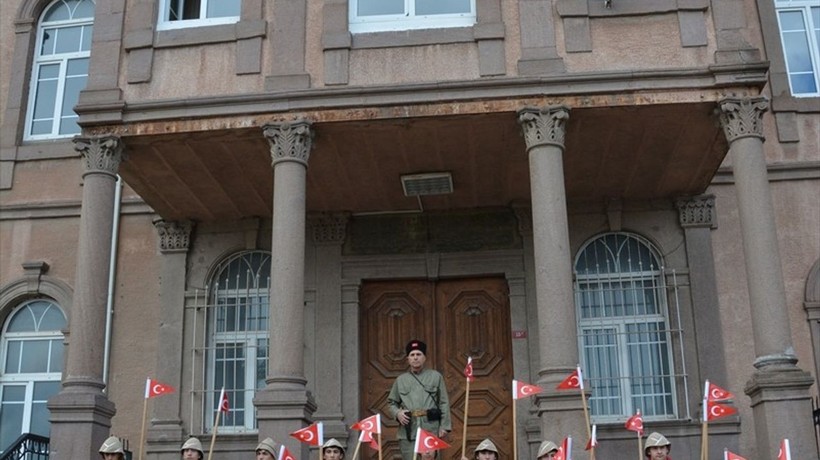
{"x":456,"y":319}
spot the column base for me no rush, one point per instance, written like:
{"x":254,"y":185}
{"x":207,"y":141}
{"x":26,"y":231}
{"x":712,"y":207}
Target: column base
{"x":571,"y":422}
{"x":280,"y":412}
{"x":80,"y":423}
{"x":163,"y":440}
{"x":782,"y":408}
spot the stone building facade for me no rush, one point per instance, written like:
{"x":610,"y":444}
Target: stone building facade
{"x":274,"y":197}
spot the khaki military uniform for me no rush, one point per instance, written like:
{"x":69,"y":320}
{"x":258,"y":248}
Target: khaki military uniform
{"x":417,"y":396}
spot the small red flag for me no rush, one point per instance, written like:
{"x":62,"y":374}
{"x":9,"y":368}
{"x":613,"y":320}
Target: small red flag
{"x":312,"y":435}
{"x":154,"y":388}
{"x":593,"y":441}
{"x":372,"y":424}
{"x":574,"y":380}
{"x":522,"y":390}
{"x":426,"y":442}
{"x":224,"y":406}
{"x":564,"y":450}
{"x":468,"y":371}
{"x":367,"y":437}
{"x":727,"y":455}
{"x":284,"y":453}
{"x":713,"y":392}
{"x":716,"y":410}
{"x":785,"y":452}
{"x":635,"y":423}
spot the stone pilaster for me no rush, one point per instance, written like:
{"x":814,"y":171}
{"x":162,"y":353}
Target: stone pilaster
{"x":544,"y":131}
{"x":81,"y":413}
{"x":173,"y":241}
{"x":285,"y":405}
{"x":778,"y":388}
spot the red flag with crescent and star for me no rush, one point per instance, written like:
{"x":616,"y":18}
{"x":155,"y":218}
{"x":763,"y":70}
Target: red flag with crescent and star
{"x":728,"y":455}
{"x":593,"y":440}
{"x":468,"y":371}
{"x":154,"y":388}
{"x":426,"y":442}
{"x":715,"y":410}
{"x":785,"y":452}
{"x":713,"y":392}
{"x":635,"y":423}
{"x":574,"y":380}
{"x":367,"y":437}
{"x":523,"y":390}
{"x":312,"y":435}
{"x":372,"y":424}
{"x":224,"y":405}
{"x":284,"y":453}
{"x":564,"y":450}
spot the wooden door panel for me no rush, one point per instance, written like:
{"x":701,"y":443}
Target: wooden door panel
{"x":456,"y":318}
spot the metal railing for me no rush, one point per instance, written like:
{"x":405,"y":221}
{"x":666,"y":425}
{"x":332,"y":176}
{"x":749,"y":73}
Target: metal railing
{"x":27,"y":447}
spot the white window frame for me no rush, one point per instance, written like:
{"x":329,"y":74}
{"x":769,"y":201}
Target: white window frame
{"x":165,"y":22}
{"x":620,"y":325}
{"x":61,"y":60}
{"x":408,"y":20}
{"x":30,"y":378}
{"x":805,"y":7}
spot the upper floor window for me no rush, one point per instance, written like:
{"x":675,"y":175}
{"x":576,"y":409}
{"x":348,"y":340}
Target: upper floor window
{"x":799,"y":22}
{"x":60,"y":69}
{"x":392,"y":15}
{"x":31,"y":353}
{"x":238,"y":338}
{"x":623,"y":328}
{"x":193,"y":13}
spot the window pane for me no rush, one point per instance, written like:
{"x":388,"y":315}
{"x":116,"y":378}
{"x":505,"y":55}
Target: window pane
{"x":13,"y":357}
{"x":41,"y":127}
{"x":52,"y":319}
{"x":56,"y":360}
{"x":71,"y":94}
{"x":803,"y":83}
{"x":45,"y":390}
{"x":797,"y":51}
{"x":35,"y":356}
{"x":261,"y":362}
{"x":39,"y":411}
{"x":86,"y":41}
{"x":44,"y":99}
{"x":223,"y":8}
{"x":601,"y":356}
{"x":84,"y":10}
{"x":47,"y":48}
{"x":58,"y":12}
{"x":69,"y":39}
{"x":379,"y":7}
{"x":11,"y":414}
{"x":425,"y":7}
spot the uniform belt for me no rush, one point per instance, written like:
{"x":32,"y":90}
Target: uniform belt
{"x":419,"y":413}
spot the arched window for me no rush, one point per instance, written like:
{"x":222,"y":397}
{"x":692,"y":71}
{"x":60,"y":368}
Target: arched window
{"x":31,"y":352}
{"x":60,"y":69}
{"x":623,"y":328}
{"x":238,"y":337}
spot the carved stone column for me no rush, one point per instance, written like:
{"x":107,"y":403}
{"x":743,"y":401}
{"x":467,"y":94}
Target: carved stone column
{"x":81,"y":413}
{"x":174,"y":241}
{"x":285,"y":405}
{"x":544,"y":131}
{"x":778,"y":388}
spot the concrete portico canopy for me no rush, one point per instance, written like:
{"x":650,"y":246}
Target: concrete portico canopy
{"x":629,"y":146}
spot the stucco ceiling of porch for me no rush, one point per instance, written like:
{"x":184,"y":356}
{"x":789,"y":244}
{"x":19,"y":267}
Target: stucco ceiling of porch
{"x":631,"y":152}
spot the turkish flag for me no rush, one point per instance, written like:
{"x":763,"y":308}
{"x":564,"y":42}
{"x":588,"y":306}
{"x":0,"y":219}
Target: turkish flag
{"x":312,"y":435}
{"x":284,"y":453}
{"x":468,"y":371}
{"x":593,"y":441}
{"x":367,"y":437}
{"x":716,"y":410}
{"x":635,"y":423}
{"x":574,"y":380}
{"x":727,"y":455}
{"x":224,"y":405}
{"x":716,"y":393}
{"x":426,"y":442}
{"x":785,"y":452}
{"x":154,"y":388}
{"x":564,"y":450}
{"x":372,"y":424}
{"x":522,"y":390}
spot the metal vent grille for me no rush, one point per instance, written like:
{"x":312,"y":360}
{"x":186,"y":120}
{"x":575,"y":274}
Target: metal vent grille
{"x":427,"y":184}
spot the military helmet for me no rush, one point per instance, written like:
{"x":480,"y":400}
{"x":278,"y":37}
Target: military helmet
{"x":332,"y":442}
{"x":112,"y":445}
{"x":267,"y":445}
{"x":545,"y":448}
{"x":656,"y":440}
{"x":193,"y":443}
{"x":486,"y":444}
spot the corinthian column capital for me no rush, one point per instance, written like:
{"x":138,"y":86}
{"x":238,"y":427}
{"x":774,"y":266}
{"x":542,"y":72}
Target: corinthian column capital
{"x":742,"y":117}
{"x":289,"y":141}
{"x":102,"y":154}
{"x":173,"y":236}
{"x":544,"y":126}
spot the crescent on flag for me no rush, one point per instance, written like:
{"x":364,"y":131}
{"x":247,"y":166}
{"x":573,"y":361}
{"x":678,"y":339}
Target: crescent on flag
{"x":308,"y":436}
{"x":429,"y":443}
{"x":526,"y":390}
{"x":715,"y":411}
{"x":367,"y":425}
{"x":574,"y":380}
{"x":157,"y":388}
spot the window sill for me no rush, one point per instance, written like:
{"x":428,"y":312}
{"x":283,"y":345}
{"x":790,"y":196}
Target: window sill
{"x":413,"y":37}
{"x":200,"y":35}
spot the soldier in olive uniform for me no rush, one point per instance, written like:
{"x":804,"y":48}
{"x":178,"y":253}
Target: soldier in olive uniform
{"x":265,"y":450}
{"x":419,"y":398}
{"x":112,"y":449}
{"x":547,"y":451}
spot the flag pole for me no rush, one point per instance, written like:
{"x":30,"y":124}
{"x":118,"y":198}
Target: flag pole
{"x":358,"y":445}
{"x":640,"y":446}
{"x":213,"y":436}
{"x":144,"y":417}
{"x":464,"y":431}
{"x":515,"y":433}
{"x":586,"y":412}
{"x":379,"y":435}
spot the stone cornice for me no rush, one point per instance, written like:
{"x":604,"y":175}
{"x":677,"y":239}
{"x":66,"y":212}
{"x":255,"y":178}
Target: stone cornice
{"x":596,"y":89}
